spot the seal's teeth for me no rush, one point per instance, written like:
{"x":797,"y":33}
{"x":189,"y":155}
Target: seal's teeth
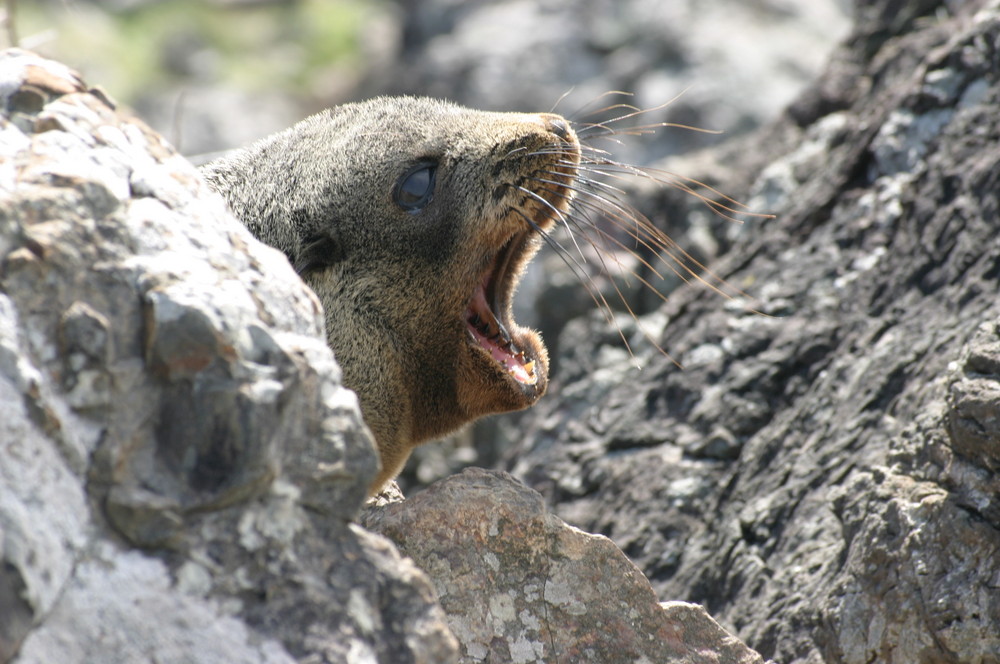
{"x":529,"y":366}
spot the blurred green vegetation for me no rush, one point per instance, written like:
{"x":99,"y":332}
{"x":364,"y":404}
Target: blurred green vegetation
{"x":284,"y":46}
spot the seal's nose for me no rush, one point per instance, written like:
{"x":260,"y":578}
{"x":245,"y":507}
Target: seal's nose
{"x":557,"y":125}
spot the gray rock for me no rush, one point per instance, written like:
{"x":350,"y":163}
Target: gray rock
{"x":822,"y":481}
{"x":974,"y":403}
{"x":178,"y":460}
{"x":736,"y":65}
{"x":519,"y":585}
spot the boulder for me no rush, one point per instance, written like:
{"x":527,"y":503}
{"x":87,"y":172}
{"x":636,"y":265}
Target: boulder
{"x":179,"y":462}
{"x":519,"y":585}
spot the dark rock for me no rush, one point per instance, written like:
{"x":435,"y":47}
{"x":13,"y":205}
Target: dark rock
{"x":823,"y":481}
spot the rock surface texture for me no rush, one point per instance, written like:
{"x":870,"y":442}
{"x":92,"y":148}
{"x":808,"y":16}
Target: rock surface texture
{"x":519,"y":585}
{"x":179,"y":464}
{"x":178,"y":461}
{"x":823,"y":478}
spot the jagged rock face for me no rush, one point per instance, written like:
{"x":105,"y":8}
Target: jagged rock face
{"x":178,"y":461}
{"x":823,"y":479}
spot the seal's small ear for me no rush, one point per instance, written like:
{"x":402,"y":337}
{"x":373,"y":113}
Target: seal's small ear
{"x":316,"y":252}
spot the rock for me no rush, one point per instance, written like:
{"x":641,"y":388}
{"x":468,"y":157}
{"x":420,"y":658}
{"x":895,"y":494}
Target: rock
{"x":822,"y":479}
{"x":519,"y":585}
{"x":974,"y":402}
{"x":178,"y":460}
{"x":730,"y":67}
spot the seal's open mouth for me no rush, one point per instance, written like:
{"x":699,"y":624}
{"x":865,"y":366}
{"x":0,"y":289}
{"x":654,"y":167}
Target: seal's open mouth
{"x":488,"y":315}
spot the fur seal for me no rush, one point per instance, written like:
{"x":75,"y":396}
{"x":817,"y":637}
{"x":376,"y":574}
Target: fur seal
{"x":412,"y":219}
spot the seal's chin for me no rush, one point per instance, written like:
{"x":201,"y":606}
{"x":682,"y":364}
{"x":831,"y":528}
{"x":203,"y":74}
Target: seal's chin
{"x":516,"y":353}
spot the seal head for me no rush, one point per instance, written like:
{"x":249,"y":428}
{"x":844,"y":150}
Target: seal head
{"x":413,"y":219}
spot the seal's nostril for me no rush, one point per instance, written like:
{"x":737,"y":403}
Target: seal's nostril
{"x":558,"y":126}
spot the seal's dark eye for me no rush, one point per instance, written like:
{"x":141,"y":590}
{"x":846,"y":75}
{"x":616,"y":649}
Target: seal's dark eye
{"x":416,"y":188}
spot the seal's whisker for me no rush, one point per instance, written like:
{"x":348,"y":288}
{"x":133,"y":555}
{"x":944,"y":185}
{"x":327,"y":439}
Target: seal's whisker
{"x":579,"y":111}
{"x":582,"y":187}
{"x":587,"y":150}
{"x":591,"y":224}
{"x":638,"y":238}
{"x":559,"y":214}
{"x":644,"y":233}
{"x":511,"y":153}
{"x":616,"y":169}
{"x":675,"y":264}
{"x":560,"y":100}
{"x":734,"y":206}
{"x":726,"y":210}
{"x":667,"y":251}
{"x":633,"y":112}
{"x":610,"y":137}
{"x":577,"y":269}
{"x":593,"y":291}
{"x":610,"y":206}
{"x":601,"y":215}
{"x":683,"y":265}
{"x":598,"y":188}
{"x":601,"y":254}
{"x":622,"y":268}
{"x":558,"y":150}
{"x":638,"y":130}
{"x":645,"y":332}
{"x":591,"y":182}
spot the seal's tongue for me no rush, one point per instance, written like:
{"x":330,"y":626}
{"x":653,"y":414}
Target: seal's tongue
{"x":491,"y":335}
